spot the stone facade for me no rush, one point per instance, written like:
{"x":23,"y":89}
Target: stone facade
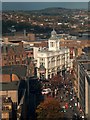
{"x":53,"y":58}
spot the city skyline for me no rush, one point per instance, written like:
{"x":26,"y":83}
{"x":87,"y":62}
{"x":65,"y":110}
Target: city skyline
{"x":43,"y":5}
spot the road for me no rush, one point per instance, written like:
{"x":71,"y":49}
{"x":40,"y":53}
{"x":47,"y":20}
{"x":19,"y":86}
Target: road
{"x":67,"y":98}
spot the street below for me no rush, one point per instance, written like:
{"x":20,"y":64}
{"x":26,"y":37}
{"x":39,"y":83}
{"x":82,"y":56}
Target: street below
{"x":64,"y":93}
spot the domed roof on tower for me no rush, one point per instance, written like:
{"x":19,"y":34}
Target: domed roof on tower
{"x":53,"y":32}
{"x":53,"y":35}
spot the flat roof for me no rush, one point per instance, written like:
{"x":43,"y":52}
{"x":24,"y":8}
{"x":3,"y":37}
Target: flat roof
{"x":46,"y":50}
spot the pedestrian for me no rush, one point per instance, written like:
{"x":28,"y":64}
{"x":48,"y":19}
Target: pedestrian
{"x":55,"y":92}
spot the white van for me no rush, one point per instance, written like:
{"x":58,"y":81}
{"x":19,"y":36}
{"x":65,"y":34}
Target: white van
{"x":46,"y":91}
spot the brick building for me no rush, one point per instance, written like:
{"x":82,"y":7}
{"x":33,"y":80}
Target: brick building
{"x":17,"y":55}
{"x":12,"y":55}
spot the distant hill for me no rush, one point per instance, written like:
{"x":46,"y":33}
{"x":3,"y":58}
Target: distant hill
{"x":48,"y":11}
{"x":54,"y":11}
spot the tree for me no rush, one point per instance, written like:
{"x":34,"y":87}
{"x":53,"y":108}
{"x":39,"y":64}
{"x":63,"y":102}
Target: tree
{"x":56,"y":81}
{"x":49,"y":109}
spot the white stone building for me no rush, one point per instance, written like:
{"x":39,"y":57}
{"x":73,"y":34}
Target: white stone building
{"x":52,"y":60}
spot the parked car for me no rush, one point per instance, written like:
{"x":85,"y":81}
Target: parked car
{"x":46,"y":91}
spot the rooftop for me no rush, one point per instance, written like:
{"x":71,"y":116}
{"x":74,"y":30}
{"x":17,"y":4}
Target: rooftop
{"x":14,"y":85}
{"x":87,"y":66}
{"x":7,"y":78}
{"x":54,"y":35}
{"x":9,"y":86}
{"x":19,"y":70}
{"x":46,"y":50}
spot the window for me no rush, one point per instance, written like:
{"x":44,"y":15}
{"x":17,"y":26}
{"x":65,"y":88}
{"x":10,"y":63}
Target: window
{"x":58,"y":58}
{"x":53,"y":59}
{"x":52,"y":44}
{"x":42,"y":59}
{"x":15,"y":56}
{"x":48,"y":76}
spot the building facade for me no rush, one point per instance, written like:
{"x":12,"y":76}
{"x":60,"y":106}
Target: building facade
{"x":84,"y":88}
{"x":7,"y":108}
{"x":53,"y":59}
{"x":13,"y":55}
{"x":17,"y":55}
{"x":12,"y":95}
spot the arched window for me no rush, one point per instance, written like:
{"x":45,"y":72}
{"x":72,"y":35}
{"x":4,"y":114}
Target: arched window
{"x":52,"y":44}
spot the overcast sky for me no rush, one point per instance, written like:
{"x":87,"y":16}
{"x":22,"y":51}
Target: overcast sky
{"x":45,"y":0}
{"x":41,"y":5}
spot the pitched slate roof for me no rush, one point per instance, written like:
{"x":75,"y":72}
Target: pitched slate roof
{"x":19,"y":70}
{"x":6,"y":86}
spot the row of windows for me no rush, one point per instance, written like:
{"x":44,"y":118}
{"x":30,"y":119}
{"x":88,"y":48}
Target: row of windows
{"x":17,"y":62}
{"x":51,"y":60}
{"x":12,"y":57}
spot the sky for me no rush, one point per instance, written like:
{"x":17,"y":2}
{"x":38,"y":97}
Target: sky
{"x":42,"y":5}
{"x":45,"y":0}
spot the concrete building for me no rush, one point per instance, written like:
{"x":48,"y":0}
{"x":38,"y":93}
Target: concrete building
{"x":84,"y":87}
{"x":12,"y":94}
{"x":54,"y":59}
{"x":12,"y":55}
